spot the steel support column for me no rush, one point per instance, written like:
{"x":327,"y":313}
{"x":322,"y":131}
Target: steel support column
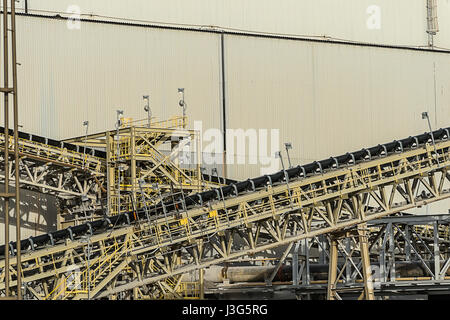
{"x":16,"y":149}
{"x":332,"y":270}
{"x":365,"y":257}
{"x":7,"y":196}
{"x":202,"y":283}
{"x":437,"y":257}
{"x":6,"y":116}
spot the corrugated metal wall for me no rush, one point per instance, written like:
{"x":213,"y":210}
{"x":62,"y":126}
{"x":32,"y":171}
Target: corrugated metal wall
{"x":327,"y":99}
{"x":402,"y":21}
{"x":68,"y":76}
{"x":442,"y":39}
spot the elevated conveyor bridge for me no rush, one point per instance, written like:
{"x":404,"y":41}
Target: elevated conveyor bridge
{"x":73,"y":174}
{"x":76,"y":171}
{"x":133,"y":251}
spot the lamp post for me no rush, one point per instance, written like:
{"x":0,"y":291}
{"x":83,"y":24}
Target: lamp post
{"x":119,"y":113}
{"x":182,"y":104}
{"x":148,"y":110}
{"x":85,"y":124}
{"x":286,"y":175}
{"x":425,"y":116}
{"x":288,"y":146}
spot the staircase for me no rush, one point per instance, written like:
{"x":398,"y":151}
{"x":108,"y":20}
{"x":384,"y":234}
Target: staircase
{"x":88,"y":283}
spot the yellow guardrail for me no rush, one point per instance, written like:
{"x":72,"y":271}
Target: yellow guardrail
{"x":332,"y":185}
{"x":87,"y":280}
{"x":171,"y":123}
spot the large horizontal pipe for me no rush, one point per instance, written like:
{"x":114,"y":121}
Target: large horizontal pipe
{"x":218,"y":274}
{"x":299,"y":172}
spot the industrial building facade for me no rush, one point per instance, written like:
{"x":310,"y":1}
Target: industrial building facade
{"x":324,"y":96}
{"x":326,"y":80}
{"x":311,"y":87}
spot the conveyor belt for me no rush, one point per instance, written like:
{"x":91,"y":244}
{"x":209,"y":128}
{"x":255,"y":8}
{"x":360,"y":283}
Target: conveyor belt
{"x":42,"y":150}
{"x":57,"y":143}
{"x":234,"y":189}
{"x":180,"y":236}
{"x":65,"y":171}
{"x":93,"y":152}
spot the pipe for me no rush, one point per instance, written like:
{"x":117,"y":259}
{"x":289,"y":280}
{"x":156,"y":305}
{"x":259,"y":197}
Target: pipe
{"x":318,"y":272}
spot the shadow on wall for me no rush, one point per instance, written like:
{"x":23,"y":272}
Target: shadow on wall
{"x":38,"y":215}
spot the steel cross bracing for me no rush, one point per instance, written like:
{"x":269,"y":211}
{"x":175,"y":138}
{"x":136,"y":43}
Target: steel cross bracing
{"x":208,"y":233}
{"x":73,"y":177}
{"x":148,"y":163}
{"x":77,"y":175}
{"x":151,"y":173}
{"x":409,"y":254}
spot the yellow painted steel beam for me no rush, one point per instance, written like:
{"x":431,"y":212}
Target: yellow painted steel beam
{"x":303,"y":209}
{"x":56,"y":155}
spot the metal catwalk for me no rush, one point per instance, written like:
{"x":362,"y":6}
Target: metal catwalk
{"x":153,"y":246}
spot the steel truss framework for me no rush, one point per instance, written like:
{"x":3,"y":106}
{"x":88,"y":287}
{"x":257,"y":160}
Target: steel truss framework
{"x":358,"y":242}
{"x":409,"y":254}
{"x":147,"y":163}
{"x":150,"y":252}
{"x":75,"y":178}
{"x":84,"y":179}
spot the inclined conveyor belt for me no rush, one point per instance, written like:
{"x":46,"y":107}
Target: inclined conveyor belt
{"x":56,"y":143}
{"x":233,"y":189}
{"x":93,"y":152}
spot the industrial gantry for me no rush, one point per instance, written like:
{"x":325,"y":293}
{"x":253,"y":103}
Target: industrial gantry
{"x":144,"y":252}
{"x":135,"y":221}
{"x":408,"y":256}
{"x":144,"y":163}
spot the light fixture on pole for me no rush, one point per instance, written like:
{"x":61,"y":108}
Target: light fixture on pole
{"x":286,"y":175}
{"x":426,"y":116}
{"x":85,"y":124}
{"x":119,"y":113}
{"x":148,"y":110}
{"x":182,"y":104}
{"x":118,"y":124}
{"x":288,"y":146}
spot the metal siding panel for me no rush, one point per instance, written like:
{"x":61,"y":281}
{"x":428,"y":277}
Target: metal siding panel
{"x":68,"y":76}
{"x":402,"y":21}
{"x":329,"y":99}
{"x":325,"y":98}
{"x":442,"y":39}
{"x":72,"y":76}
